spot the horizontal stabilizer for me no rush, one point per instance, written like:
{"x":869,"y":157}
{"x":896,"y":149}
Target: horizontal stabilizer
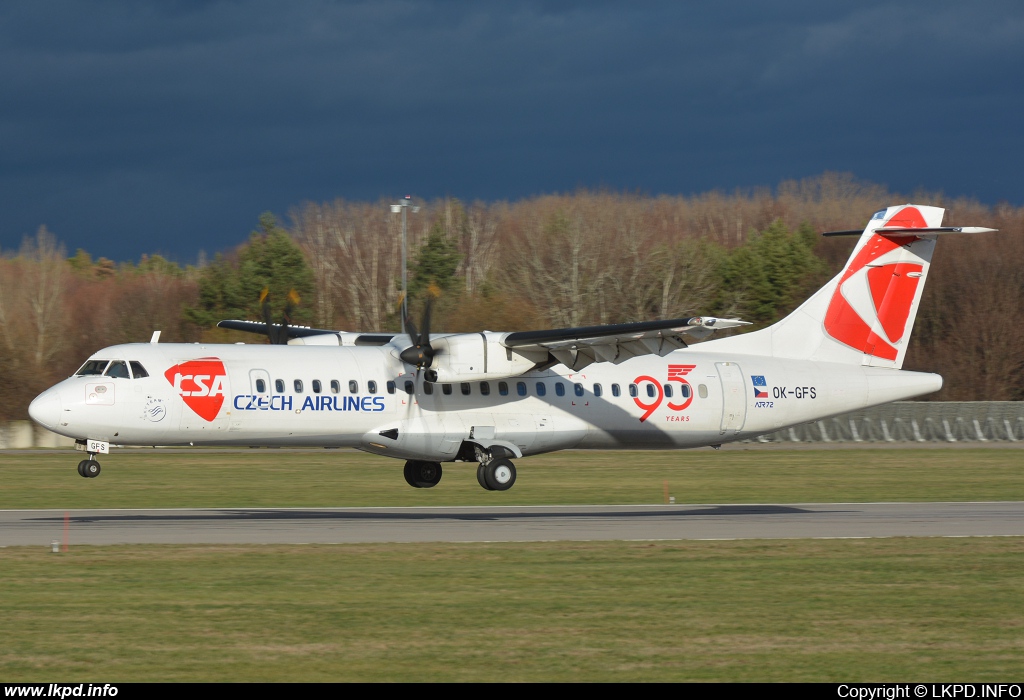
{"x":903,"y":230}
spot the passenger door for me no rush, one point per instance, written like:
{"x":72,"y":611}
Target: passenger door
{"x":734,"y":398}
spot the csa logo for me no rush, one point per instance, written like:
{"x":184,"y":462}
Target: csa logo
{"x":871,"y":305}
{"x":202,"y":385}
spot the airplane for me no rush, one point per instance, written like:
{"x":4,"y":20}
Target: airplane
{"x":493,"y":397}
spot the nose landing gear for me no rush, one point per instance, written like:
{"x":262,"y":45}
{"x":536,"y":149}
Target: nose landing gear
{"x":89,"y":468}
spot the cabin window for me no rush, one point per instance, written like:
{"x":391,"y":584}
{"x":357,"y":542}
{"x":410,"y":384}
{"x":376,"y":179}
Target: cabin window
{"x":597,"y":390}
{"x":298,"y":386}
{"x":615,"y":390}
{"x":559,"y":388}
{"x":541,"y":389}
{"x":117,"y":369}
{"x":353,"y":386}
{"x":503,"y":388}
{"x":428,"y":388}
{"x":335,"y":386}
{"x":261,"y":386}
{"x":465,"y":388}
{"x":409,"y":387}
{"x":521,"y":388}
{"x":685,"y":391}
{"x":702,"y":391}
{"x":668,"y":391}
{"x":316,"y":386}
{"x":578,"y":388}
{"x":138,"y":371}
{"x":446,"y":389}
{"x":371,"y":386}
{"x":92,"y":367}
{"x":279,"y":386}
{"x":652,"y":390}
{"x":633,"y":391}
{"x":390,"y":386}
{"x":485,"y":388}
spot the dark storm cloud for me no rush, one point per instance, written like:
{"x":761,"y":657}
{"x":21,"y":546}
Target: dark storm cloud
{"x":131,"y":127}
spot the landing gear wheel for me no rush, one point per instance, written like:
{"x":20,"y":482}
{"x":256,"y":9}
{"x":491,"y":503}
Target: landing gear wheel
{"x":81,"y":468}
{"x":500,"y":474}
{"x":409,"y":473}
{"x":91,"y":468}
{"x":422,"y":475}
{"x":481,"y":479}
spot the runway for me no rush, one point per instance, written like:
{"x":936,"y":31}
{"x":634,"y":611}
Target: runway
{"x":511,"y":524}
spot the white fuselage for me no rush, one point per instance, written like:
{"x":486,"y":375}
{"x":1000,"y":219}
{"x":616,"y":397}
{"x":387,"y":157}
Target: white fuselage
{"x":264,"y":395}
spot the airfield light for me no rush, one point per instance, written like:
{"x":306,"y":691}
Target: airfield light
{"x":402,"y":206}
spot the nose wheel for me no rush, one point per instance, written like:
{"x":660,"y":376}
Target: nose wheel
{"x":89,"y":468}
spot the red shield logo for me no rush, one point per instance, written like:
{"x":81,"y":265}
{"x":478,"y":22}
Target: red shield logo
{"x":202,"y":385}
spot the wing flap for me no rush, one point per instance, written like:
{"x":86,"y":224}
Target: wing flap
{"x":578,"y":347}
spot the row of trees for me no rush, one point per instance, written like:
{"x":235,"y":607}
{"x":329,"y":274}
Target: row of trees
{"x":549,"y":261}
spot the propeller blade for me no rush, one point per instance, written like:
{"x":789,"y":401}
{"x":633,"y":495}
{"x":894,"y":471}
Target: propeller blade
{"x":420,"y":354}
{"x":410,"y":328}
{"x":265,"y":312}
{"x":278,"y":334}
{"x":425,"y":333}
{"x":293,"y":301}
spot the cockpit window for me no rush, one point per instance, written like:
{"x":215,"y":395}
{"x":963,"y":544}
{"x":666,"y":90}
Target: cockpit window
{"x":118,"y":369}
{"x":879,"y":214}
{"x":138,"y":371}
{"x":92,"y":367}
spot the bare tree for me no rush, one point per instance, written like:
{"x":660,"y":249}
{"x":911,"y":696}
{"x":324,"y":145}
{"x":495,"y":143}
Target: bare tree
{"x":42,"y":287}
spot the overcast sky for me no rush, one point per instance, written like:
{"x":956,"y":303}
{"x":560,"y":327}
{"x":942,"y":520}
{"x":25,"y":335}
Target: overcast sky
{"x":131,"y":127}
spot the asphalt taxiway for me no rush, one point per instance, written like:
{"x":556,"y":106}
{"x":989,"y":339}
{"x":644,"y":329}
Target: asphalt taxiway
{"x":510,"y":523}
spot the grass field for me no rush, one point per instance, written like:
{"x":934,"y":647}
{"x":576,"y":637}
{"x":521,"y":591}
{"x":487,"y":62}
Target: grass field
{"x":795,"y":610}
{"x":317,"y":478}
{"x":936,"y":609}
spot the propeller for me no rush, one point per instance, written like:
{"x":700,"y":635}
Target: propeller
{"x":420,"y":354}
{"x":278,"y":334}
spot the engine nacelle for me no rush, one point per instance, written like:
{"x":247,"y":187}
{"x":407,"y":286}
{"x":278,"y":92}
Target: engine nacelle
{"x":468,"y":357}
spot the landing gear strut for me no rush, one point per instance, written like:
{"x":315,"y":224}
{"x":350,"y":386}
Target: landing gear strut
{"x":89,"y":468}
{"x":422,"y":475}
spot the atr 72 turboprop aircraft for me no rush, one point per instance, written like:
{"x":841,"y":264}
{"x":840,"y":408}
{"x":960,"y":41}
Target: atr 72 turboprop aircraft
{"x":490,"y":397}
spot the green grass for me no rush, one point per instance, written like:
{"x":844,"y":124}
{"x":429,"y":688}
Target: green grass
{"x":788,"y":610}
{"x":252,"y":478}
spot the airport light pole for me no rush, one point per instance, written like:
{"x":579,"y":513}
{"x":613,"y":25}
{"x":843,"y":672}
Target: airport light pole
{"x":402,"y":206}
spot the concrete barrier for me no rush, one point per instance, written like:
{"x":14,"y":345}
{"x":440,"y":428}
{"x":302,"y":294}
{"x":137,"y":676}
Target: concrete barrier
{"x":47,"y":438}
{"x":23,"y":434}
{"x":17,"y":435}
{"x":916,"y":421}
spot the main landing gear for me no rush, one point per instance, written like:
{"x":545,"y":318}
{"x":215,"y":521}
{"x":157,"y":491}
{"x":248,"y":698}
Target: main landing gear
{"x":89,"y":468}
{"x":496,"y":475}
{"x":493,"y":474}
{"x":422,"y":475}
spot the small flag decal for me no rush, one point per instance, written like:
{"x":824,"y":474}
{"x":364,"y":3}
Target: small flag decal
{"x":760,"y":386}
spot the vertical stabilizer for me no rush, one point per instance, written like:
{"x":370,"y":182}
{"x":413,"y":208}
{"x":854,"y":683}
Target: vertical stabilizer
{"x":865,"y":314}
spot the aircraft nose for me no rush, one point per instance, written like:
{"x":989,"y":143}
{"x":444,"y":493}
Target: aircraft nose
{"x":45,"y":409}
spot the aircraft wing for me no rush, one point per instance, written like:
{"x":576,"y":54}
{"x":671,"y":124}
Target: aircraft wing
{"x":260,"y":328}
{"x":578,"y":347}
